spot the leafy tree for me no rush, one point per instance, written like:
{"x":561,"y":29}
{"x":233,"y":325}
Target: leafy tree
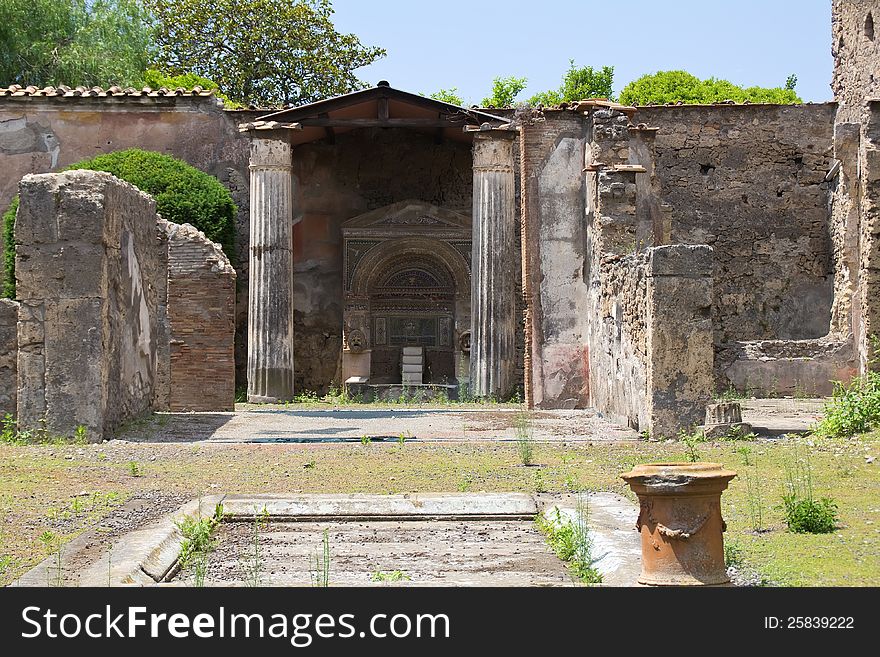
{"x":448,"y":96}
{"x":156,"y":79}
{"x":73,"y":42}
{"x":578,"y":84}
{"x":674,"y":86}
{"x":265,"y":52}
{"x":504,"y":91}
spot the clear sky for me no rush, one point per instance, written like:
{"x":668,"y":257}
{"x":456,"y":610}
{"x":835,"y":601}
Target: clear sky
{"x":452,"y":43}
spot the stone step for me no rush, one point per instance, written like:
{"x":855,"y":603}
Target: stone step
{"x":413,"y":351}
{"x":411,"y":369}
{"x":413,"y":360}
{"x":411,"y":379}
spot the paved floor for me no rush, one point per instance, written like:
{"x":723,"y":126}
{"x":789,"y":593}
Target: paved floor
{"x":770,"y":417}
{"x":274,"y":424}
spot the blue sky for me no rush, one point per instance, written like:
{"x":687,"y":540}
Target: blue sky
{"x":452,"y":43}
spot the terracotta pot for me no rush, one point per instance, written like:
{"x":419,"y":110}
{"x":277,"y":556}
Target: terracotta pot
{"x":680,"y":522}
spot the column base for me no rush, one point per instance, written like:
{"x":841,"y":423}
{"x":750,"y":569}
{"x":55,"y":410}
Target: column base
{"x":262,"y":399}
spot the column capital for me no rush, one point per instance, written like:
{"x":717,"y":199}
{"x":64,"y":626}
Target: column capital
{"x":493,"y":151}
{"x":271,"y":151}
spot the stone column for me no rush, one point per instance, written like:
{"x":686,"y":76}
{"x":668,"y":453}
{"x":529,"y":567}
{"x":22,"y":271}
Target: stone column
{"x":270,"y":309}
{"x":493,"y":304}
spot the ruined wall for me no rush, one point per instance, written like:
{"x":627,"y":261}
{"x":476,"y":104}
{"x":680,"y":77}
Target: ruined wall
{"x":201,"y":319}
{"x":8,"y":356}
{"x":555,"y":267}
{"x":749,"y":180}
{"x":855,"y":46}
{"x":856,"y":50}
{"x":361,"y":171}
{"x":42,"y":134}
{"x":649,"y":333}
{"x":89,"y":270}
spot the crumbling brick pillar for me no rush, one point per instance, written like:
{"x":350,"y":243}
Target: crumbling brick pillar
{"x":680,"y":353}
{"x":493,"y":302}
{"x":270,"y":313}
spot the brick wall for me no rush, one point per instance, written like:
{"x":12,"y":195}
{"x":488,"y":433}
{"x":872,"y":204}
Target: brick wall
{"x":201,"y":316}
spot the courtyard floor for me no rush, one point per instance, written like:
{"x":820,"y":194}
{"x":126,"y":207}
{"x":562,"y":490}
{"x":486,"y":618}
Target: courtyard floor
{"x":111,"y":488}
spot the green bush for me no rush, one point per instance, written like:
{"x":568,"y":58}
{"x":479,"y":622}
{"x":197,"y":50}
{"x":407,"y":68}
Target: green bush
{"x":9,"y":250}
{"x":183,"y":194}
{"x":854,"y":408}
{"x":680,"y":86}
{"x":809,"y":516}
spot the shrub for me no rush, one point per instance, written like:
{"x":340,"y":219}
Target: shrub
{"x":809,"y":516}
{"x":804,"y":513}
{"x":854,"y":408}
{"x":183,"y":194}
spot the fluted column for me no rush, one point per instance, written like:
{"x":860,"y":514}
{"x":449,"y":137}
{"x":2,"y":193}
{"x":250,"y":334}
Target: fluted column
{"x":493,"y":306}
{"x":270,"y":309}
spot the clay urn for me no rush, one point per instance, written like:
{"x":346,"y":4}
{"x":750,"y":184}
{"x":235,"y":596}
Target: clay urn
{"x":680,"y":522}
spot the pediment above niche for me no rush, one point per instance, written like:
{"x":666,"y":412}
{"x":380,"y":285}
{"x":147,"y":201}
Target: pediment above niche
{"x":408,"y":216}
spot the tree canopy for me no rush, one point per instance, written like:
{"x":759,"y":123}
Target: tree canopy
{"x":680,"y":86}
{"x":264,"y":52}
{"x":578,"y":84}
{"x":504,"y":91}
{"x":73,"y":42}
{"x":448,"y":96}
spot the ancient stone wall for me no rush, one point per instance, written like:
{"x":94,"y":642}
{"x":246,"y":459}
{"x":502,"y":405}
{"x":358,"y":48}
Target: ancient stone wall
{"x":649,"y":333}
{"x":854,"y":223}
{"x":555,"y":267}
{"x":8,"y":356}
{"x":201,"y":317}
{"x":855,"y":45}
{"x":89,"y":271}
{"x":749,"y":180}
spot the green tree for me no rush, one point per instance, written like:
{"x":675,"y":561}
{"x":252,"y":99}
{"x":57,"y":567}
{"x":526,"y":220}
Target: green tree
{"x":73,"y":42}
{"x":504,"y":91}
{"x":448,"y":96}
{"x":264,"y":52}
{"x":680,"y":86}
{"x":156,"y":79}
{"x":578,"y":84}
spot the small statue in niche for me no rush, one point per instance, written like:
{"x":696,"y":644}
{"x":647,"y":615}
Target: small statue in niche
{"x":357,"y":341}
{"x":464,"y":342}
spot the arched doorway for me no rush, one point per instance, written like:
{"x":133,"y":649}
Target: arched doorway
{"x":407,"y":283}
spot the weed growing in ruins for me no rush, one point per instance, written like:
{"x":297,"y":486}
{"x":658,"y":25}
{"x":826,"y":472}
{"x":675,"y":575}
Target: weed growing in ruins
{"x":854,"y":408}
{"x":570,"y":539}
{"x":540,"y":485}
{"x":804,"y":514}
{"x":754,"y":495}
{"x":54,"y":548}
{"x":366,"y":440}
{"x":6,"y":563}
{"x":11,"y":434}
{"x":730,"y":394}
{"x":134,"y":469}
{"x":690,"y":441}
{"x":198,"y":541}
{"x":465,"y":484}
{"x":393,"y":576}
{"x":253,"y":564}
{"x":321,"y":573}
{"x":525,"y":441}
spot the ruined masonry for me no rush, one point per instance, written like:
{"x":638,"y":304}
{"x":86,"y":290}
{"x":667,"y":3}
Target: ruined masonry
{"x":636,"y":260}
